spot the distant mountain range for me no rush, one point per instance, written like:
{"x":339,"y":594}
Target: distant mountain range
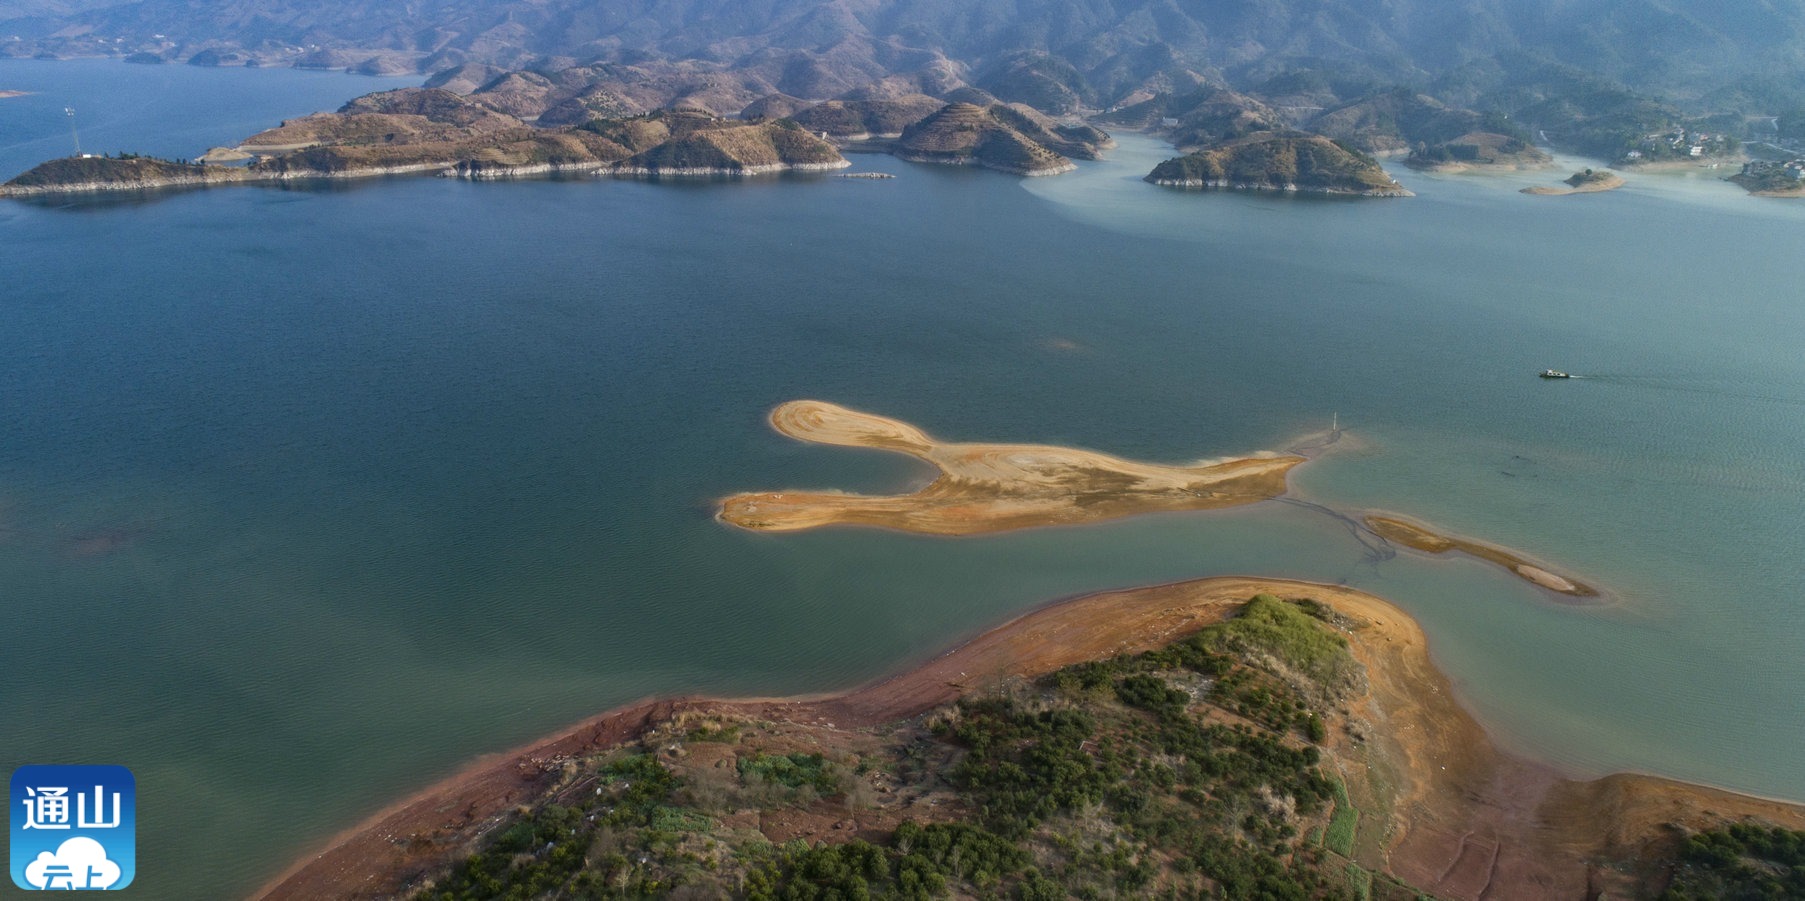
{"x":1243,"y":85}
{"x":1053,"y":54}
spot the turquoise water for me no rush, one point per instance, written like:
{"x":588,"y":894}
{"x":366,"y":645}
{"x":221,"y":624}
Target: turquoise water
{"x":307,"y":496}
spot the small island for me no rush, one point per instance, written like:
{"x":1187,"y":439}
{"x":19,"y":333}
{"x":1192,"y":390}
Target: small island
{"x":985,"y":488}
{"x":1280,"y":161}
{"x":994,"y":487}
{"x":1589,"y":181}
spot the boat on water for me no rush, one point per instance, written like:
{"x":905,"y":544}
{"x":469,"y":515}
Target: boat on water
{"x":1553,"y":374}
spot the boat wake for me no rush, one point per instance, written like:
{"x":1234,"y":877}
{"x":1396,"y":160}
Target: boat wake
{"x":1691,"y":386}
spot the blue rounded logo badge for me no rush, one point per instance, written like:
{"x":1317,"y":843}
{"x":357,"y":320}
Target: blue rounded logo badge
{"x":73,"y":827}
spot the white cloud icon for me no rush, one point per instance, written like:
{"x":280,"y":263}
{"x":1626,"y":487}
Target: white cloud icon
{"x":78,"y":863}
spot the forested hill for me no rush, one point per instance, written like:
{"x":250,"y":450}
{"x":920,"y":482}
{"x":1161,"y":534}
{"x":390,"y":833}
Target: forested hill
{"x":1099,"y":51}
{"x":1239,"y":761}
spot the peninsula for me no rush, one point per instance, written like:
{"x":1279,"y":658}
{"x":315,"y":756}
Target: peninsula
{"x":1008,"y":138}
{"x":1279,"y":161}
{"x":851,"y":120}
{"x":429,"y":130}
{"x":1229,"y":737}
{"x":1765,"y":178}
{"x":483,"y":135}
{"x":1422,"y":538}
{"x":994,"y":487}
{"x":1479,"y":150}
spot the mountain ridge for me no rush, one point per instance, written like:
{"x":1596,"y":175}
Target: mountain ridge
{"x":1053,"y":54}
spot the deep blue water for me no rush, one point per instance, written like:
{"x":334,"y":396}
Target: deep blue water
{"x":309,"y":495}
{"x":174,"y":111}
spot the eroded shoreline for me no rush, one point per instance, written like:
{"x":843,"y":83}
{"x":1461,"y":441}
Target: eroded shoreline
{"x":1450,"y":812}
{"x":1464,"y":819}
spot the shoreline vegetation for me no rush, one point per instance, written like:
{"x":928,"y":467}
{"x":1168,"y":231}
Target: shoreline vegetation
{"x":1420,"y":537}
{"x":993,"y":487}
{"x":1332,"y":683}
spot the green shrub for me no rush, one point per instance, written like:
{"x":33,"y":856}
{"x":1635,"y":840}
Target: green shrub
{"x":1152,"y":693}
{"x":1273,"y":627}
{"x":791,"y":771}
{"x":1343,"y":826}
{"x":1744,"y":860}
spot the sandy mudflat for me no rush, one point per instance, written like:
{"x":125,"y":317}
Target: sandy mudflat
{"x":1422,"y":538}
{"x":994,"y":487}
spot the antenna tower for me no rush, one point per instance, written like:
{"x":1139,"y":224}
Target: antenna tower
{"x":70,"y":112}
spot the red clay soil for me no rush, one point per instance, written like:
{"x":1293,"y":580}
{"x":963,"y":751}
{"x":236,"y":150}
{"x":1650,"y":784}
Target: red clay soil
{"x":1467,"y":820}
{"x":381,"y":856}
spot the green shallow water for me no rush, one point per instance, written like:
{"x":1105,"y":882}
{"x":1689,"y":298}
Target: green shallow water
{"x":307,"y":496}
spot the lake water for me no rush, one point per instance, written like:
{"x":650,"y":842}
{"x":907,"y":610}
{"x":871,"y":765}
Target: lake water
{"x":309,"y":495}
{"x":169,"y":110}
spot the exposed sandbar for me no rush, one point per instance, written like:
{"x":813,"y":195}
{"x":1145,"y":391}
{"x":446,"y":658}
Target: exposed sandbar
{"x":1422,"y":538}
{"x":7,"y":94}
{"x":994,"y":487}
